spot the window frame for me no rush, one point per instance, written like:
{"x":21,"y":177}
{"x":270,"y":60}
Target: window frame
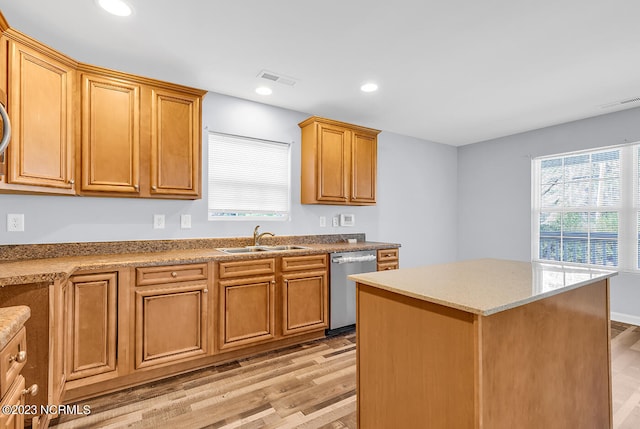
{"x":628,"y":208}
{"x":234,"y":215}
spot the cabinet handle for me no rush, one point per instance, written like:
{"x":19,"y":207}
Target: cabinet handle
{"x":174,"y":274}
{"x":389,"y":268}
{"x":20,"y":357}
{"x":32,"y":390}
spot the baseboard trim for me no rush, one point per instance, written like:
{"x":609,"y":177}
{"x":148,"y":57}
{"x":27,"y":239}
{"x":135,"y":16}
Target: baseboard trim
{"x":625,"y":318}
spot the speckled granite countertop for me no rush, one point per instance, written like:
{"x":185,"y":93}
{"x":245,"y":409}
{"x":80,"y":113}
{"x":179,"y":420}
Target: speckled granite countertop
{"x":483,"y":286}
{"x":57,"y":262}
{"x":11,"y":321}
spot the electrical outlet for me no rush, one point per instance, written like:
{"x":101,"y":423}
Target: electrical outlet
{"x":158,"y":221}
{"x":323,"y":221}
{"x":185,"y":221}
{"x":335,"y":221}
{"x":15,"y":222}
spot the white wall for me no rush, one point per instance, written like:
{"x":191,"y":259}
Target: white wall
{"x":494,"y":192}
{"x":414,"y":207}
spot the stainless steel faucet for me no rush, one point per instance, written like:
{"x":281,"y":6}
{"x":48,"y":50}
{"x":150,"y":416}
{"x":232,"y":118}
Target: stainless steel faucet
{"x":257,"y":237}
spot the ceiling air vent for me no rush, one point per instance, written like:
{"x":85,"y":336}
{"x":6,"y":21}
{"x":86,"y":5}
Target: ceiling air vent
{"x":275,"y":77}
{"x":620,"y":103}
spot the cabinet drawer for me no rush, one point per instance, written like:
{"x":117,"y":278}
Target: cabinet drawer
{"x":246,"y":268}
{"x":385,"y":255}
{"x":385,"y":266}
{"x":169,"y":274}
{"x":308,"y":262}
{"x":12,"y":359}
{"x":14,"y":398}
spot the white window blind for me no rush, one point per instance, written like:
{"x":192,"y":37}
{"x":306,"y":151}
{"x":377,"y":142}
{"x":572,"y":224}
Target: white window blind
{"x":586,"y":207}
{"x":248,"y":178}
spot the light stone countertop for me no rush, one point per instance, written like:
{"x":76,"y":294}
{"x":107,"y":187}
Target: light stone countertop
{"x":12,"y":319}
{"x":483,"y":286}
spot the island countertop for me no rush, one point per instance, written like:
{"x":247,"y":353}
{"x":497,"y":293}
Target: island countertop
{"x":483,"y":286}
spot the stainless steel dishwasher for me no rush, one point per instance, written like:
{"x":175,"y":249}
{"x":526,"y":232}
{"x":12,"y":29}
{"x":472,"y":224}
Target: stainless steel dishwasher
{"x":342,"y":291}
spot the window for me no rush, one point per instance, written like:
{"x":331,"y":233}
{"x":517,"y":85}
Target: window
{"x":586,"y":207}
{"x":248,"y":178}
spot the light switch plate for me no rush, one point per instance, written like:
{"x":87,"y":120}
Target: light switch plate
{"x":185,"y":221}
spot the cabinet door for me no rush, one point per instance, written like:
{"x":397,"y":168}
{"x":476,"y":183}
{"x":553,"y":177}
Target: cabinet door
{"x":247,"y":311}
{"x":92,"y":333}
{"x":110,"y":135}
{"x":171,"y":324}
{"x":304,"y":302}
{"x":175,"y":144}
{"x":40,"y":106}
{"x":333,"y":163}
{"x":364,"y":154}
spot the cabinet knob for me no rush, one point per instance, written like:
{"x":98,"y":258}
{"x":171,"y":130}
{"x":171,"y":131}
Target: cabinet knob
{"x":174,"y":274}
{"x":136,"y":187}
{"x":273,"y":282}
{"x":20,"y":357}
{"x":71,"y":182}
{"x":32,"y":390}
{"x":154,"y":187}
{"x":205,"y":290}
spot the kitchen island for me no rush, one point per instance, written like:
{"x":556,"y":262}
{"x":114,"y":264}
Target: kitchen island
{"x":484,"y":344}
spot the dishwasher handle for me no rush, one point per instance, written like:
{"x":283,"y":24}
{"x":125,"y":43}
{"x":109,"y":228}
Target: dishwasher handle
{"x":352,"y":259}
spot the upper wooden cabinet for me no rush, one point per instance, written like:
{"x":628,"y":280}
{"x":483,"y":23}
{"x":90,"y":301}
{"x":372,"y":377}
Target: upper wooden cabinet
{"x":140,"y":137}
{"x":110,"y":135}
{"x":175,"y":143}
{"x":40,"y":85}
{"x":339,"y":163}
{"x":119,"y":134}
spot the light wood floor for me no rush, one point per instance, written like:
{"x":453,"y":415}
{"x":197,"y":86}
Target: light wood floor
{"x":309,"y":386}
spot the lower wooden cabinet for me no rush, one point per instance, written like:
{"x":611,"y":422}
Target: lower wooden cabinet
{"x":171,"y":319}
{"x":246,"y":303}
{"x":388,"y":259}
{"x":304,"y":294}
{"x":92,"y":327}
{"x":13,"y":358}
{"x":14,"y":399}
{"x":170,"y":325}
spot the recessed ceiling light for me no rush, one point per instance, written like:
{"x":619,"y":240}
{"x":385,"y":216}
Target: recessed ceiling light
{"x":116,"y":7}
{"x":264,"y":90}
{"x":369,"y":87}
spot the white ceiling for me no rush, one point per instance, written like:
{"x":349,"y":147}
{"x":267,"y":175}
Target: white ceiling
{"x":449,"y":71}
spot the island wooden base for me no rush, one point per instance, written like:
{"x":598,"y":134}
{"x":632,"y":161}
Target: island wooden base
{"x":545,"y":364}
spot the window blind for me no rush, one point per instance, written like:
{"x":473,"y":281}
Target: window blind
{"x":248,"y":178}
{"x":585,"y":207}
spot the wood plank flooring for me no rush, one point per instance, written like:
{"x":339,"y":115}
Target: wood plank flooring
{"x":310,"y":386}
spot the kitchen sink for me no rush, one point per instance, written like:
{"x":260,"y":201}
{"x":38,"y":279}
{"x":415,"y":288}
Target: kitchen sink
{"x":251,"y":249}
{"x":248,"y":249}
{"x":284,"y":247}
